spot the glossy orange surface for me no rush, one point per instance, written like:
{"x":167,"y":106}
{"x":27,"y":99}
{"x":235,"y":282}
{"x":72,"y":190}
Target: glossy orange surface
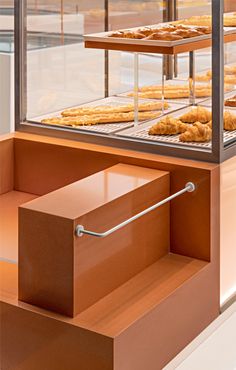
{"x":77,"y":199}
{"x":92,"y":267}
{"x":9,"y":203}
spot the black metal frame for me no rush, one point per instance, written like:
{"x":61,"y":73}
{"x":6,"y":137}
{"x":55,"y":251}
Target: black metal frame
{"x":219,"y":152}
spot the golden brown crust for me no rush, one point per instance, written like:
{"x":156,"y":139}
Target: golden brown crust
{"x":127,"y":35}
{"x":197,"y":114}
{"x":187,"y":33}
{"x":197,"y":132}
{"x":164,"y":31}
{"x":146,"y":31}
{"x":165,"y":36}
{"x":229,"y":121}
{"x":173,"y":94}
{"x":230,"y":70}
{"x":202,"y":20}
{"x":99,"y":119}
{"x":230,"y":79}
{"x":173,"y":87}
{"x":206,"y":20}
{"x":229,"y":20}
{"x":168,"y":126}
{"x":104,"y":109}
{"x":231,"y":102}
{"x":202,"y":78}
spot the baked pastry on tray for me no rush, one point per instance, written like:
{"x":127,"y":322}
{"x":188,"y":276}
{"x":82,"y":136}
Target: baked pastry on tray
{"x":202,"y":78}
{"x":230,"y":69}
{"x":187,"y":33}
{"x":229,"y":121}
{"x":168,"y":126}
{"x":197,"y":114}
{"x":105,"y":109}
{"x":197,"y":132}
{"x":127,"y":35}
{"x":173,"y":31}
{"x":164,"y":36}
{"x":176,"y":86}
{"x":202,"y":20}
{"x":99,"y":119}
{"x":174,"y":94}
{"x":231,"y":102}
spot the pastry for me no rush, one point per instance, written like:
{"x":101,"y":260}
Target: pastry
{"x":127,"y":35}
{"x":198,"y":114}
{"x":104,"y":109}
{"x":230,"y":79}
{"x":229,"y":121}
{"x":196,"y":133}
{"x":168,"y":126}
{"x":146,"y":31}
{"x":99,"y":119}
{"x":231,"y":102}
{"x":165,"y":36}
{"x":209,"y":123}
{"x":173,"y":94}
{"x":229,"y":20}
{"x":202,"y":20}
{"x":204,"y":29}
{"x":177,"y":87}
{"x":230,"y":70}
{"x":202,"y":78}
{"x":187,"y":33}
{"x":206,"y":20}
{"x":168,"y":27}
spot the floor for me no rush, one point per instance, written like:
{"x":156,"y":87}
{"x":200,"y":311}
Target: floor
{"x":213,"y":349}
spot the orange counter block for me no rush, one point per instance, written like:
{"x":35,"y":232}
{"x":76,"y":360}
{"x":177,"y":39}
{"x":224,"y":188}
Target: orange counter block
{"x":68,"y":274}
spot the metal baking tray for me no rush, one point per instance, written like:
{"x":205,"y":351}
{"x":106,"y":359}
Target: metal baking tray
{"x":141,"y":133}
{"x":103,"y":37}
{"x":107,"y":128}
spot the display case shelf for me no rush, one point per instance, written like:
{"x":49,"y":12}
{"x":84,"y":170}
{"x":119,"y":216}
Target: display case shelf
{"x":104,"y":41}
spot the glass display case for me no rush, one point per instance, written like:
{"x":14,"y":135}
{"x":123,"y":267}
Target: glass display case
{"x":146,"y":75}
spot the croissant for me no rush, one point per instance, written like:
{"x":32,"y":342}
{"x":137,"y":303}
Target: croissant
{"x":209,"y":124}
{"x":196,"y":133}
{"x":168,"y":126}
{"x":229,"y":121}
{"x":198,"y":114}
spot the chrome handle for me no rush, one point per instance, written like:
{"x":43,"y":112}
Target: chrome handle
{"x":80,"y":230}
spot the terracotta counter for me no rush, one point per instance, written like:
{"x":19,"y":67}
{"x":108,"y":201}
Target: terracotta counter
{"x":174,"y":294}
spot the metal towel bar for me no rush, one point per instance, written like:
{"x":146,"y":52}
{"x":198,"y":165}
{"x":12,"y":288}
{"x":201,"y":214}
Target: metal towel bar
{"x":80,"y":230}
